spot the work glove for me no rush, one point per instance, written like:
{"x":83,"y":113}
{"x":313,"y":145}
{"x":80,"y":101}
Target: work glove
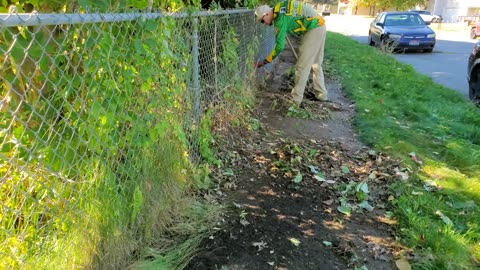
{"x":260,"y":64}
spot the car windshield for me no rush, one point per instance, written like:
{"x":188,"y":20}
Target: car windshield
{"x":403,"y":20}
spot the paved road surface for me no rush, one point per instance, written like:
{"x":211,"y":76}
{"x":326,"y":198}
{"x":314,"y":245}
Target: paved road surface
{"x":447,"y":65}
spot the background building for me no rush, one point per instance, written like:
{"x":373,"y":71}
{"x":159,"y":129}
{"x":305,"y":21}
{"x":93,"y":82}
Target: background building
{"x":451,"y":10}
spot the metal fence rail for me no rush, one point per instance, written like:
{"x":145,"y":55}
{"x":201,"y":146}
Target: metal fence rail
{"x":84,"y":97}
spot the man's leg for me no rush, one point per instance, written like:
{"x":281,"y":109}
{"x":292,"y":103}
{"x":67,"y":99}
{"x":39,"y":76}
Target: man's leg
{"x":308,"y":54}
{"x":318,"y":77}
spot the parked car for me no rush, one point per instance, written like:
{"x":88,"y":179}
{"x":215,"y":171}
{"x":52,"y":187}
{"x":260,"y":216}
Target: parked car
{"x":427,"y":16}
{"x":401,"y":31}
{"x":473,"y":74}
{"x":475,"y":30}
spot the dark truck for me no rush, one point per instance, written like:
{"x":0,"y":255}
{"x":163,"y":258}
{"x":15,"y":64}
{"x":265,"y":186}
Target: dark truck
{"x":473,"y":23}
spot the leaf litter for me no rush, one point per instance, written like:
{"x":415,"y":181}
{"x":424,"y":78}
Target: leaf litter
{"x":332,"y":195}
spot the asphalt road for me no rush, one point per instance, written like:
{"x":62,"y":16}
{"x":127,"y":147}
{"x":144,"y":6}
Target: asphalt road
{"x":446,"y":65}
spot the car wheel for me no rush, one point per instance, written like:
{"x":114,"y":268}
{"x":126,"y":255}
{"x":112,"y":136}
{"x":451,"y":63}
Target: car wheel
{"x":428,"y":50}
{"x":473,"y":33}
{"x":474,"y":91}
{"x":370,"y":40}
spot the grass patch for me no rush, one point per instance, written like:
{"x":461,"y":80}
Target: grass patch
{"x":400,"y":111}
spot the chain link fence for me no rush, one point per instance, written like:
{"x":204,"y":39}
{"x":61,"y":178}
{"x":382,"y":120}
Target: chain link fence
{"x":86,"y":99}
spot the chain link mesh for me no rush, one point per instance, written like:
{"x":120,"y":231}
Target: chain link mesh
{"x":83,"y":99}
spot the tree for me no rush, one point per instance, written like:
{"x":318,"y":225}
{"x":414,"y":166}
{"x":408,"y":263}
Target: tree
{"x":406,"y":4}
{"x":364,"y":3}
{"x":383,"y":5}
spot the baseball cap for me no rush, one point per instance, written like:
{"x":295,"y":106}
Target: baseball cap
{"x":261,"y":11}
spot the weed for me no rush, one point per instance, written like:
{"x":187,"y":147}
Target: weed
{"x":295,"y":111}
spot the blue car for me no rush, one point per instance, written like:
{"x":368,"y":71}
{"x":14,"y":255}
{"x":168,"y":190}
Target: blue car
{"x":400,"y":31}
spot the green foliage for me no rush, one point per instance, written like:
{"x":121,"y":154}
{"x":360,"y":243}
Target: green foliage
{"x":202,"y":177}
{"x":400,"y":112}
{"x":206,"y":138}
{"x":295,"y":111}
{"x":95,"y":134}
{"x":137,"y":203}
{"x":100,"y":5}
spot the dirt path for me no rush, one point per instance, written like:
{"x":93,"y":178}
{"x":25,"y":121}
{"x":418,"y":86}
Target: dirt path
{"x":286,"y":184}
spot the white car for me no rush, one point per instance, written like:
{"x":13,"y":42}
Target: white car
{"x":427,"y":16}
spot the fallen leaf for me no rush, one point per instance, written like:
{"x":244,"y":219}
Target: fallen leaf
{"x":365,"y":205}
{"x":271,"y":263}
{"x":403,"y":264}
{"x":327,"y":243}
{"x":345,"y":210}
{"x":430,"y":185}
{"x":403,"y":175}
{"x":388,"y":214}
{"x":244,"y":222}
{"x":313,"y":169}
{"x":294,"y":241}
{"x":298,"y":178}
{"x":228,"y":172}
{"x":445,"y":219}
{"x":260,"y":245}
{"x":319,"y":177}
{"x":230,"y":185}
{"x":391,"y":198}
{"x":414,"y":157}
{"x":328,"y":202}
{"x":362,"y":186}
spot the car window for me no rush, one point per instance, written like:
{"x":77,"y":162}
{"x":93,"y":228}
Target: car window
{"x":426,"y":12}
{"x":403,"y":20}
{"x":382,"y":17}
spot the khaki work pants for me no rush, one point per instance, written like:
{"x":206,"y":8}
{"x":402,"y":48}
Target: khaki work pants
{"x":311,"y":58}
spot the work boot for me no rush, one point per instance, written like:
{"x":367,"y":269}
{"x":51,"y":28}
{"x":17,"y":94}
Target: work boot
{"x":320,"y":96}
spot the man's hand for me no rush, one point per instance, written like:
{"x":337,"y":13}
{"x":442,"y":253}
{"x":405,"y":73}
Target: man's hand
{"x":259,"y":64}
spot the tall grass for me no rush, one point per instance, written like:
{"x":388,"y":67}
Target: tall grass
{"x":402,"y":112}
{"x":98,"y":176}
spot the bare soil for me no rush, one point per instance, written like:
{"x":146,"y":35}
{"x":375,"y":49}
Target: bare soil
{"x":283,"y":184}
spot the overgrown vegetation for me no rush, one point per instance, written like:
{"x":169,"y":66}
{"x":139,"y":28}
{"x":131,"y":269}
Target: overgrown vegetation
{"x":96,"y":135}
{"x":435,"y":131}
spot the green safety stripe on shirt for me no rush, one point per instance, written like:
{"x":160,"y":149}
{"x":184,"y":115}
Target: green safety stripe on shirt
{"x":288,"y":19}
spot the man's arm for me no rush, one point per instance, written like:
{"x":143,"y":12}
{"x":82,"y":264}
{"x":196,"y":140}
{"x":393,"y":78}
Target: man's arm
{"x":280,"y":37}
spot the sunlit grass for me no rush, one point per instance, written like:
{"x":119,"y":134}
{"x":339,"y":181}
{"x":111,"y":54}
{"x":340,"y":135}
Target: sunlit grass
{"x":399,"y":112}
{"x":113,"y":222}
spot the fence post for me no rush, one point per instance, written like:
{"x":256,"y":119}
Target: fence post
{"x":196,"y":73}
